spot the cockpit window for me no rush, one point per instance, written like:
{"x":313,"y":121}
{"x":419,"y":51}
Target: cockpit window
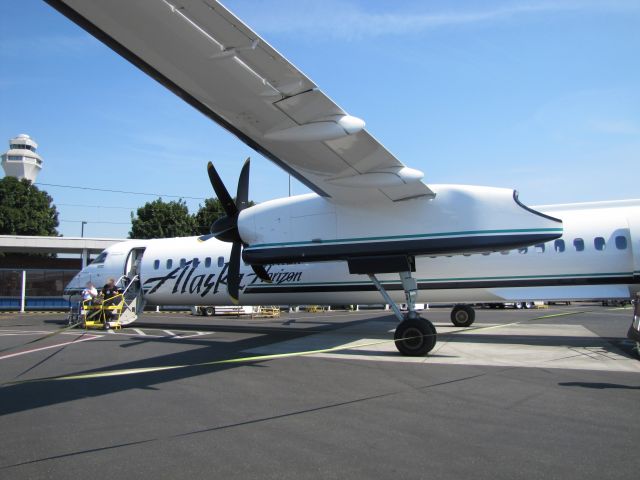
{"x":100,"y":258}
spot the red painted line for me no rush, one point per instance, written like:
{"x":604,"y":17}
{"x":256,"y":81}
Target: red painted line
{"x":10,"y":355}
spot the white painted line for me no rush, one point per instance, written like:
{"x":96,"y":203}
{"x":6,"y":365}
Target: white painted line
{"x":197,"y":334}
{"x":139,"y":332}
{"x":37,"y":332}
{"x":111,"y":331}
{"x":170,"y":333}
{"x":33,"y":350}
{"x":25,"y":332}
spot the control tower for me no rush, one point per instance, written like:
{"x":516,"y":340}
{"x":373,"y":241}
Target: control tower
{"x":21,"y":160}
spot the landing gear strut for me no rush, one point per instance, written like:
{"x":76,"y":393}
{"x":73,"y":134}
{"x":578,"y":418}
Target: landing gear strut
{"x":415,"y":336}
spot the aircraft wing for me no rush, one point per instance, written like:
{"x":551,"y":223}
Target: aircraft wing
{"x":208,"y":57}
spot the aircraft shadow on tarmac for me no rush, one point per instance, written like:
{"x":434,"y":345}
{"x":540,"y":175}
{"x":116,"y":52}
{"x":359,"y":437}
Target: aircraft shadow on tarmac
{"x":26,"y":396}
{"x":40,"y":393}
{"x":599,"y":385}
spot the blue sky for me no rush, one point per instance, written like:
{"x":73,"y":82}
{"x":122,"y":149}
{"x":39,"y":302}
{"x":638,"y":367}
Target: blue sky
{"x":539,"y":96}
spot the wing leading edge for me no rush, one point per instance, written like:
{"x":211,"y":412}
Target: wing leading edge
{"x":207,"y":56}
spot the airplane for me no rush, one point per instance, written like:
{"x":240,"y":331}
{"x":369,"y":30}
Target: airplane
{"x":598,"y":257}
{"x":369,"y":216}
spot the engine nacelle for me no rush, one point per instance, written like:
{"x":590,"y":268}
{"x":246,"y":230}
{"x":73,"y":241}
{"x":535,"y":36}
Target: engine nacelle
{"x":459,"y":219}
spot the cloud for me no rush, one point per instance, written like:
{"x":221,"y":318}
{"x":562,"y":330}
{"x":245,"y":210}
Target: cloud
{"x":351,"y":21}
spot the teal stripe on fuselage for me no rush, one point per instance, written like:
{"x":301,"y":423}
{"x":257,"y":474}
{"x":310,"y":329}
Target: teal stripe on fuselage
{"x":402,"y":237}
{"x":469,"y":279}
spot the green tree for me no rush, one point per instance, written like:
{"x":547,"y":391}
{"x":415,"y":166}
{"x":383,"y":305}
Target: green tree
{"x":160,"y":219}
{"x":25,"y":209}
{"x":209,"y":213}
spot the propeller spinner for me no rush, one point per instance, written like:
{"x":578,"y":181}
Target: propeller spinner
{"x":226,"y":228}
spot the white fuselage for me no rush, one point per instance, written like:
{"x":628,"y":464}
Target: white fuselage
{"x":597,"y":257}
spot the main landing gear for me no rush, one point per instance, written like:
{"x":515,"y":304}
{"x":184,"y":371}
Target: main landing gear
{"x":415,"y":336}
{"x":463,"y":315}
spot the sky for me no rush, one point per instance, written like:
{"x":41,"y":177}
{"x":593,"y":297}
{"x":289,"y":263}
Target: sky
{"x":540,"y":96}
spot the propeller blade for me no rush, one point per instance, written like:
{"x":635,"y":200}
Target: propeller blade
{"x":226,"y":229}
{"x":204,"y":238}
{"x":242,"y":195}
{"x":221,"y":191}
{"x":233,"y":273}
{"x":261,"y":273}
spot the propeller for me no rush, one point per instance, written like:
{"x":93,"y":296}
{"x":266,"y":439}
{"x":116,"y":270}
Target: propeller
{"x":226,"y":228}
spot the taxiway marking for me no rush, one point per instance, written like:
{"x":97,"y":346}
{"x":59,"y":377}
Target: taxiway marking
{"x":33,"y":350}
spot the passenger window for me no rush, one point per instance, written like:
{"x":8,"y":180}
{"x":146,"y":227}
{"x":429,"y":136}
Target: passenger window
{"x":621,"y":242}
{"x":207,"y":262}
{"x":183,"y":262}
{"x":195,"y":263}
{"x":599,"y":243}
{"x":559,"y":246}
{"x":156,"y":264}
{"x":169,"y":263}
{"x":540,"y":248}
{"x":484,"y":253}
{"x":523,"y":250}
{"x":579,"y":244}
{"x":221,"y":262}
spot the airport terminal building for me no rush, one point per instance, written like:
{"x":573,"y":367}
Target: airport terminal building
{"x":35,"y":270}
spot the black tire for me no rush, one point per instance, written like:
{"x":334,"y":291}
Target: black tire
{"x":421,"y":335}
{"x":463,"y":315}
{"x":529,"y":304}
{"x":517,"y":305}
{"x":209,"y":311}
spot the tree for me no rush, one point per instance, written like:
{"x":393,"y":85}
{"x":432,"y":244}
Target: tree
{"x":160,"y":219}
{"x":25,"y":209}
{"x":209,"y":213}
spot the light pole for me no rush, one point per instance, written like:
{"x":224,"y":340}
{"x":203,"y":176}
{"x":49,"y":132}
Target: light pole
{"x":84,"y":256}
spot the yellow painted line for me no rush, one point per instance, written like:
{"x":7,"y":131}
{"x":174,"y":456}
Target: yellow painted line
{"x":275,"y":356}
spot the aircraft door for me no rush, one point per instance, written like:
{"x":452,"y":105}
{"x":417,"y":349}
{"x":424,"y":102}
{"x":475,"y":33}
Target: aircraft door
{"x":134,"y":260}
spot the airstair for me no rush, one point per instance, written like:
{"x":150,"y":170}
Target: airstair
{"x":133,"y":301}
{"x":132,"y":294}
{"x":114,"y":312}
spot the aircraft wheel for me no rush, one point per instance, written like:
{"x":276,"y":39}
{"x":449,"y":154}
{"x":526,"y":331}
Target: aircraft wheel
{"x":528,"y":304}
{"x":209,"y":312}
{"x":420,"y":335}
{"x":463,"y":315}
{"x":517,"y":305}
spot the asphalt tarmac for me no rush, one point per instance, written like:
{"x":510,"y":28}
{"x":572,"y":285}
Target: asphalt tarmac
{"x":550,"y":396}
